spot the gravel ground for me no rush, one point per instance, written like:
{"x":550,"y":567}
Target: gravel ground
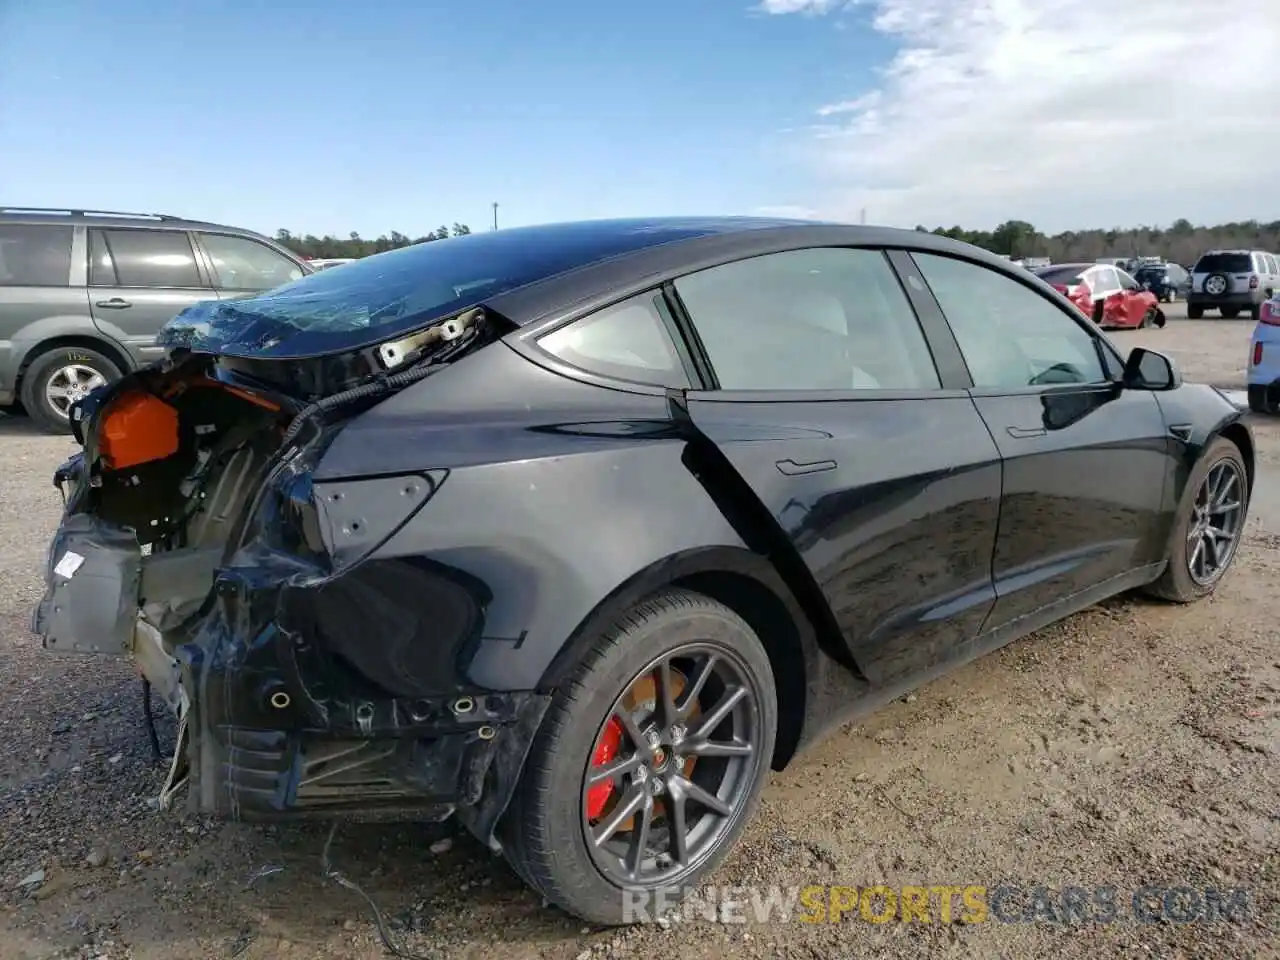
{"x":1134,"y":744}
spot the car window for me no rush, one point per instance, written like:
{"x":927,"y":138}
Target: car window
{"x":243,"y":264}
{"x":146,"y":258}
{"x":1010,"y":335}
{"x":1105,"y":281}
{"x":34,"y":255}
{"x":1223,"y":263}
{"x":1127,"y":282}
{"x":628,"y":340}
{"x":1270,"y":263}
{"x":820,"y":319}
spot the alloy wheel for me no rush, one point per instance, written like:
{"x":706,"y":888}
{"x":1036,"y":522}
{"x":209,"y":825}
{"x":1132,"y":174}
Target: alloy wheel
{"x":70,"y":384}
{"x":1216,"y":520}
{"x":672,"y":767}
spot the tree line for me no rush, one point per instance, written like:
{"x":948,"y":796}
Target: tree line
{"x":1182,"y":242}
{"x":310,"y":246}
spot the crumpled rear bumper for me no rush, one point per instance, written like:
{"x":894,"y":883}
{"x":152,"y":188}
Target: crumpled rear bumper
{"x":274,"y":724}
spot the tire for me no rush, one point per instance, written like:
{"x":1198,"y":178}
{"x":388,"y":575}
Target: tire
{"x":1255,"y":312}
{"x":545,"y":827}
{"x":90,"y":366}
{"x":1148,"y":318}
{"x":1229,"y":313}
{"x":1176,"y":583}
{"x":1262,"y":399}
{"x":1195,"y":311}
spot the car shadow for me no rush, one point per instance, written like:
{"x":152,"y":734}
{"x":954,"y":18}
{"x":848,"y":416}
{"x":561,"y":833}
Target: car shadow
{"x":19,"y":425}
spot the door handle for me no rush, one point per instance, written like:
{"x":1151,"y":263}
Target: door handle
{"x":790,"y":468}
{"x":115,"y":303}
{"x":1025,"y":433}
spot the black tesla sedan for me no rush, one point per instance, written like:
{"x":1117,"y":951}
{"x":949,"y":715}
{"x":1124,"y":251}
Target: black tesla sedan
{"x":573,"y":532}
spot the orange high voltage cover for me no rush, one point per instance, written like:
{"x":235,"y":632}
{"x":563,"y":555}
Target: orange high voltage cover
{"x":138,"y":428}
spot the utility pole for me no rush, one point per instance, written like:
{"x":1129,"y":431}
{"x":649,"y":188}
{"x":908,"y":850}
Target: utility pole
{"x":495,"y":215}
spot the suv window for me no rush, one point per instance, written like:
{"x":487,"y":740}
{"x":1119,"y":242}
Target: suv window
{"x":34,"y":255}
{"x":628,"y":340}
{"x":143,"y":258}
{"x":243,"y":264}
{"x":1269,"y":263}
{"x":1009,"y":334}
{"x":1224,"y":263}
{"x":820,"y":319}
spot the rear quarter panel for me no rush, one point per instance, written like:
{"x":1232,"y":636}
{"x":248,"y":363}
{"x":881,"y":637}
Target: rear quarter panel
{"x":558,"y":493}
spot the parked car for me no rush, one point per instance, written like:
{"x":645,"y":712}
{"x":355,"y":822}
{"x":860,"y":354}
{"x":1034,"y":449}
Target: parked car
{"x":1167,"y":281}
{"x":83,"y":294}
{"x":1105,"y":293}
{"x":578,"y":554}
{"x":1264,"y":359}
{"x":1230,"y":281}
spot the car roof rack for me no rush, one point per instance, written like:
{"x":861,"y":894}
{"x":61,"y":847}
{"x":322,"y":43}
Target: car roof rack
{"x":77,"y":212}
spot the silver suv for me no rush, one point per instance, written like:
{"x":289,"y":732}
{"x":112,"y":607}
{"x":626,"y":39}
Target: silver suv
{"x":1231,"y":281}
{"x":83,"y":293}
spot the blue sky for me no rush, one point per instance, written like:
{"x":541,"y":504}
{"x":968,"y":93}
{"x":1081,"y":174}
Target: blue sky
{"x":394,"y":114}
{"x":332,"y":115}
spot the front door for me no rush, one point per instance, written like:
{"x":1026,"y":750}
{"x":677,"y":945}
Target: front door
{"x":830,"y":409}
{"x":1084,"y":460}
{"x":139,"y":280}
{"x":242,"y":266}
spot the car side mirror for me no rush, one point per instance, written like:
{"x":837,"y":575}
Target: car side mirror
{"x":1148,"y":370}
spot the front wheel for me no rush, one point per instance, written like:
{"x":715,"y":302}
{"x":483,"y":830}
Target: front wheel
{"x":649,"y":762}
{"x":1195,"y":312}
{"x":1209,"y":526}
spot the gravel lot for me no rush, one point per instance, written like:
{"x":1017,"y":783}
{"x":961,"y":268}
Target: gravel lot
{"x":1134,"y":744}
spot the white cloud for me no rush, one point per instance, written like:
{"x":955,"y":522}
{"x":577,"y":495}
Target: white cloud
{"x":1067,"y":113}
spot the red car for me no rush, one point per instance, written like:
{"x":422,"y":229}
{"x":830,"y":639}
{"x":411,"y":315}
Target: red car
{"x":1106,"y":294}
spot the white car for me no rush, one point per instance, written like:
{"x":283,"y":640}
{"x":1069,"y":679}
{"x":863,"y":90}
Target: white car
{"x":1264,"y":359}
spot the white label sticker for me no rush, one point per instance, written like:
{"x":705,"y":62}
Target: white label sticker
{"x":69,"y":564}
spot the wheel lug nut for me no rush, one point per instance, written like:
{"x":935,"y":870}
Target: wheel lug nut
{"x":653,"y":738}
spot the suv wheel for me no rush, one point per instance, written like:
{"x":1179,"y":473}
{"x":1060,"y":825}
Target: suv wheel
{"x":1230,"y":313}
{"x":57,"y":379}
{"x":1195,"y":311}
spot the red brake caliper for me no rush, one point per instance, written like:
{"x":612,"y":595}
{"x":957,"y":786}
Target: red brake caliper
{"x":610,"y":741}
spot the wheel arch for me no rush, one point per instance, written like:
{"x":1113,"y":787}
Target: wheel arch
{"x":1237,"y":433}
{"x":108,"y":348}
{"x":748,"y":584}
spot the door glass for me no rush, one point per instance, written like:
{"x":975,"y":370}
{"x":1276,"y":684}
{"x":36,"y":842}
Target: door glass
{"x":34,"y":255}
{"x":1009,"y":334}
{"x":628,"y":340}
{"x":102,"y":269}
{"x":243,"y":264}
{"x":1106,"y":282}
{"x":151,"y":258}
{"x":820,"y":319}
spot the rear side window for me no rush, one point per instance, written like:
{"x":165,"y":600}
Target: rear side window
{"x":243,"y":264}
{"x":143,"y":258}
{"x":820,"y":319}
{"x":1225,"y":263}
{"x":34,"y":255}
{"x":627,"y":341}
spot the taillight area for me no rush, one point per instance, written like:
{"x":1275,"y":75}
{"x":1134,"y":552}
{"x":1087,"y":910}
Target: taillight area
{"x":1253,"y":282}
{"x":1270,"y":313}
{"x":1257,"y":355}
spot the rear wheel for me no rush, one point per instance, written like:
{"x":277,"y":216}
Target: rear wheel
{"x":649,"y":763}
{"x":1262,"y":399}
{"x":1195,"y":311}
{"x":57,"y":379}
{"x":1255,"y":312}
{"x":1207,"y":532}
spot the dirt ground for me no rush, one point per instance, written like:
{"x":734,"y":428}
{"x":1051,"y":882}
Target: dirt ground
{"x":1135,"y":744}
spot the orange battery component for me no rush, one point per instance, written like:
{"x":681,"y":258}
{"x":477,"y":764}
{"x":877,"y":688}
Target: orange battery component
{"x":138,"y":428}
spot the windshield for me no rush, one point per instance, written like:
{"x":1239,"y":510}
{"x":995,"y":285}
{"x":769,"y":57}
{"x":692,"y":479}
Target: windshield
{"x":1224,"y":263}
{"x":378,"y":297}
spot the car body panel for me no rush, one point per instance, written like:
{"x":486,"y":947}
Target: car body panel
{"x":900,"y":546}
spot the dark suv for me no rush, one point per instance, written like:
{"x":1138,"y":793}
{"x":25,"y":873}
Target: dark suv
{"x":83,"y":294}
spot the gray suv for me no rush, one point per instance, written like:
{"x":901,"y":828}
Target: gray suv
{"x":83,"y":293}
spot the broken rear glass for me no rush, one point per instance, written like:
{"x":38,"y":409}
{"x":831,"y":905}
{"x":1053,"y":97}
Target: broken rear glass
{"x":376,"y":298}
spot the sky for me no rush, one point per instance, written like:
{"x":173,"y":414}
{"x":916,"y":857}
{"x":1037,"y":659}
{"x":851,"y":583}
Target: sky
{"x":332,"y":117}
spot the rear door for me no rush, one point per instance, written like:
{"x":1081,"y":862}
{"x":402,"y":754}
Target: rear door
{"x":139,"y":280}
{"x":36,"y":298}
{"x":242,"y":266}
{"x":827,"y":401}
{"x":1085,"y":461}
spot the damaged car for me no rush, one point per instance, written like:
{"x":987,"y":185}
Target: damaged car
{"x":574,"y":532}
